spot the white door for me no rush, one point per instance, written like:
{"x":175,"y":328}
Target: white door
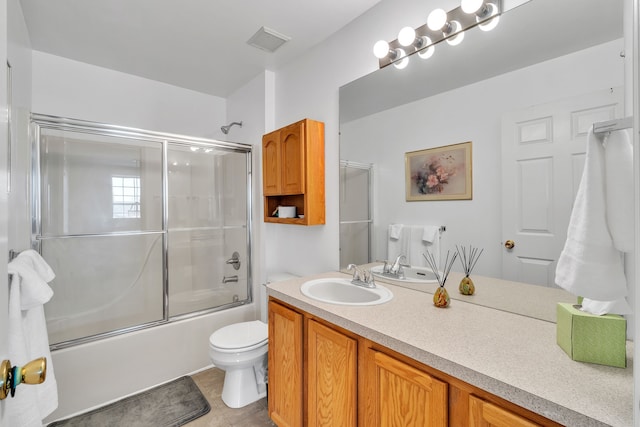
{"x":4,"y":290}
{"x":543,"y":154}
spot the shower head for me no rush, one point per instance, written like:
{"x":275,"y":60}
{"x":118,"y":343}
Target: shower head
{"x":225,"y":129}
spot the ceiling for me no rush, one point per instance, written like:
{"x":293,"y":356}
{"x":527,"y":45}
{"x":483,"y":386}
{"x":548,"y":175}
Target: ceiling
{"x":194,"y":44}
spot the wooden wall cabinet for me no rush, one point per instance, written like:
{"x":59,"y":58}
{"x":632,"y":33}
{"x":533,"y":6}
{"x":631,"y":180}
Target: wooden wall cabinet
{"x":293,"y":172}
{"x":323,"y":375}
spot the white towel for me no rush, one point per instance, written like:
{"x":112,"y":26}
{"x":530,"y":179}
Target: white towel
{"x":28,"y":338}
{"x":618,"y":154}
{"x":589,"y":264}
{"x":395,"y":231}
{"x":418,"y":245}
{"x":429,"y":233}
{"x":399,"y":245}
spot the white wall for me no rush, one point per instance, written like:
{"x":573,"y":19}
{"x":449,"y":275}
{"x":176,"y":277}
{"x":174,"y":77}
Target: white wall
{"x":253,"y":105}
{"x":66,"y":88}
{"x":470,"y":113}
{"x":308,"y":87}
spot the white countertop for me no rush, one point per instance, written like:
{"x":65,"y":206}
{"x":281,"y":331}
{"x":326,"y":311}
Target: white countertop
{"x":512,"y":356}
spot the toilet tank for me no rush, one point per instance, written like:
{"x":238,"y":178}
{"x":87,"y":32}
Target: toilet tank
{"x":271,"y":278}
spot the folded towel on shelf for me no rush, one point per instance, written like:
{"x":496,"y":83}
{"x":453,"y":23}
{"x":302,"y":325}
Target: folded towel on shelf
{"x":28,"y":339}
{"x":590,"y":265}
{"x":619,"y":189}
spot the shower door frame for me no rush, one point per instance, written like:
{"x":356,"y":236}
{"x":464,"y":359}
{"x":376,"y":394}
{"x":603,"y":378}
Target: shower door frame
{"x":43,"y":121}
{"x":370,"y":221}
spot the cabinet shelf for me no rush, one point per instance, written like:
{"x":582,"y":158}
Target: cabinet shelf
{"x":293,"y":172}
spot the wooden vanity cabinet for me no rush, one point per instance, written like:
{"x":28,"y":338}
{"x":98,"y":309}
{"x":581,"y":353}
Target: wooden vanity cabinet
{"x":331,"y":362}
{"x":323,"y":375}
{"x":485,"y":414}
{"x":293,"y":172}
{"x":398,"y":394}
{"x":285,"y":386}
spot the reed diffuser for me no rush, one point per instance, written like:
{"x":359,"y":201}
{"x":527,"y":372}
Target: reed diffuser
{"x":468,"y":261}
{"x":441,"y":296}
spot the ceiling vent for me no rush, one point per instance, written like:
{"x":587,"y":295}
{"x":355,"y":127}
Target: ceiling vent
{"x":267,"y":39}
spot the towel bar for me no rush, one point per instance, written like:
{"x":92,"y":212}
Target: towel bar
{"x":611,"y":125}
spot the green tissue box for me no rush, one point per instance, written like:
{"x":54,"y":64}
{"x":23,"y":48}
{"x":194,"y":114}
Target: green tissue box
{"x":589,"y":338}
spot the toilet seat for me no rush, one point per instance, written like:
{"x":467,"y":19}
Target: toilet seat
{"x":240,"y":337}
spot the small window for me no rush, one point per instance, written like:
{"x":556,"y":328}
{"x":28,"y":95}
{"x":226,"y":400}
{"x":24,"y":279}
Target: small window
{"x":126,"y":196}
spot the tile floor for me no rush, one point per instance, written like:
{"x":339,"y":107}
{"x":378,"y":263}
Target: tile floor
{"x":210,"y":383}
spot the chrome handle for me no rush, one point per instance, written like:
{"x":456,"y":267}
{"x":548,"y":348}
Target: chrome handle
{"x":235,"y":261}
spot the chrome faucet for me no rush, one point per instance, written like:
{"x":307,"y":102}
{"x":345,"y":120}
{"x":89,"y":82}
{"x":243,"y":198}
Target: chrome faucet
{"x":361,"y":277}
{"x":395,"y":269}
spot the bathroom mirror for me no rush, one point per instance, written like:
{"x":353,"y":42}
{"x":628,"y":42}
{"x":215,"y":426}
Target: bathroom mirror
{"x":542,"y":54}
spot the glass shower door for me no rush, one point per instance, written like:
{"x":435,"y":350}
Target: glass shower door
{"x":100,"y":231}
{"x":356,"y":217}
{"x":207,"y":227}
{"x":140,"y":227}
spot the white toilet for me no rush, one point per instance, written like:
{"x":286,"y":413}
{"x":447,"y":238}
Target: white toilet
{"x":240,"y":350}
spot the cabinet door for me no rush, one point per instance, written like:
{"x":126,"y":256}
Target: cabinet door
{"x":293,"y":157}
{"x":285,"y":366}
{"x":271,"y":158}
{"x":332,"y":377}
{"x":485,"y":414}
{"x":402,"y":395}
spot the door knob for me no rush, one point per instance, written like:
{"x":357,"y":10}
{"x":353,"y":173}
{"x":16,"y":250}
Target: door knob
{"x":33,"y":372}
{"x":509,"y":244}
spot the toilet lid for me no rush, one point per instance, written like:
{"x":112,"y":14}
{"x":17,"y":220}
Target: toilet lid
{"x":240,"y":335}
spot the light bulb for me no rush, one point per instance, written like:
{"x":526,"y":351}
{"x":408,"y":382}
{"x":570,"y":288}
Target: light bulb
{"x":489,"y":25}
{"x":436,"y":19}
{"x":455,"y":28}
{"x":381,"y":49}
{"x":428,"y":52}
{"x":402,"y":63}
{"x":407,"y":36}
{"x":471,"y":6}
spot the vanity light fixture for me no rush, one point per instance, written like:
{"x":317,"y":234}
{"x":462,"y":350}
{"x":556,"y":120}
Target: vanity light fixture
{"x":407,"y":38}
{"x":452,"y":32}
{"x":382,"y":50}
{"x":440,"y":25}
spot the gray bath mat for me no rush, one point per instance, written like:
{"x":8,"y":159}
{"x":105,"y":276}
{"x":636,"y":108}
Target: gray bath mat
{"x":168,"y":405}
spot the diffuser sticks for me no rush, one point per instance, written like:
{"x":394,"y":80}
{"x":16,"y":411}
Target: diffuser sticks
{"x":441,"y":296}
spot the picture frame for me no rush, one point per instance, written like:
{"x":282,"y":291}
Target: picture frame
{"x":440,"y":173}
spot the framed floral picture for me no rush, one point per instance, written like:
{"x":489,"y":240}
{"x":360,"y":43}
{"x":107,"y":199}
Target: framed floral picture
{"x":441,"y":173}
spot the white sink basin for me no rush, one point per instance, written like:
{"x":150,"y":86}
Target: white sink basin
{"x":411,"y":274}
{"x":342,"y":291}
